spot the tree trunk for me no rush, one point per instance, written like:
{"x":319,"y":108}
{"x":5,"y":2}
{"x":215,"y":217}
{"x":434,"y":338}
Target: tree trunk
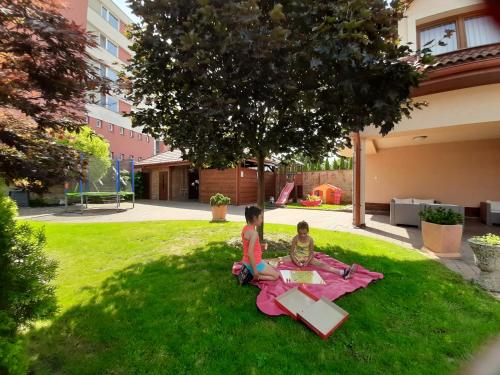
{"x":261,"y":191}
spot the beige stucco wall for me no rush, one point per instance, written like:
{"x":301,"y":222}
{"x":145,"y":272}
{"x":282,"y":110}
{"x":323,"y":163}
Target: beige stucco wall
{"x":464,"y":173}
{"x":458,"y":107}
{"x":423,"y":11}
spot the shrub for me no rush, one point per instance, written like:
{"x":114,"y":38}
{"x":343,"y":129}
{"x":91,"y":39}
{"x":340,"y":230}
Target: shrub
{"x":139,"y":182}
{"x":487,"y":239}
{"x":219,"y":200}
{"x":26,"y":294}
{"x":312,"y":198}
{"x":442,"y":216}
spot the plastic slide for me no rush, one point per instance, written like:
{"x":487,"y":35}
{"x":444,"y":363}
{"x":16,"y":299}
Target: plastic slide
{"x":285,"y":193}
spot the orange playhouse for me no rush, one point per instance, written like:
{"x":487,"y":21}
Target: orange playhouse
{"x":329,"y":194}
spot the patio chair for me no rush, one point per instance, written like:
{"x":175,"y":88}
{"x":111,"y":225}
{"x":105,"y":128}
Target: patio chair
{"x":490,"y":212}
{"x":406,"y":211}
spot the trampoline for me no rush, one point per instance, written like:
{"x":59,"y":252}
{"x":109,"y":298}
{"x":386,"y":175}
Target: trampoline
{"x":103,"y":181}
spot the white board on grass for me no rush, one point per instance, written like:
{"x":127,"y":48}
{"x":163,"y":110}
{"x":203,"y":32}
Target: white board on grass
{"x":323,"y":316}
{"x":294,"y":301}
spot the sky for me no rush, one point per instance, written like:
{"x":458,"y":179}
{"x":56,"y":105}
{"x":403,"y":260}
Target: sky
{"x":123,"y":5}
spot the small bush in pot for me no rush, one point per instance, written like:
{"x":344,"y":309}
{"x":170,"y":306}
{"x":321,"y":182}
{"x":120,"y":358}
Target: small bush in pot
{"x":441,"y":216}
{"x":219,"y":203}
{"x":442,"y":230}
{"x":219,"y":200}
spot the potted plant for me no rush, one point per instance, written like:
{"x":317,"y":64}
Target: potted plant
{"x":442,"y":230}
{"x":487,"y":253}
{"x":219,"y":203}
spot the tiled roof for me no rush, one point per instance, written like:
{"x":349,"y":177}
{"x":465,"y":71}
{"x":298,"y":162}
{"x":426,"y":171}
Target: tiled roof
{"x":466,"y":55}
{"x":174,"y":156}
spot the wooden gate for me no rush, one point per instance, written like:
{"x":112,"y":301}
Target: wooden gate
{"x":163,"y":192}
{"x":179,"y":183}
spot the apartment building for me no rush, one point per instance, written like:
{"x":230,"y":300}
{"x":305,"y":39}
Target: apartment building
{"x":105,"y":20}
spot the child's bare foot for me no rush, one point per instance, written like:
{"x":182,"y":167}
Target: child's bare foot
{"x":349,"y":271}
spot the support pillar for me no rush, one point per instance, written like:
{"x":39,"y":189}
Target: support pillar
{"x":359,"y":163}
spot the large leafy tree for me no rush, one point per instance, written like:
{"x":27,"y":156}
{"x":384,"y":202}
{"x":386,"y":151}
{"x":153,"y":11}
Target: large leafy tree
{"x":45,"y":71}
{"x":33,"y":159}
{"x":225,"y":80}
{"x":45,"y":77}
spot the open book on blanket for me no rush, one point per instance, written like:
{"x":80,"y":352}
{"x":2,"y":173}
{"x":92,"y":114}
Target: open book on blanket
{"x":302,"y":277}
{"x":320,"y":315}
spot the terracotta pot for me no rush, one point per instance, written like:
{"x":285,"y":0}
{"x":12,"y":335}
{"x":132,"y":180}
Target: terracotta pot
{"x":219,"y":213}
{"x":445,"y":239}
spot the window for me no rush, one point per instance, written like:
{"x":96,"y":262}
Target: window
{"x":131,"y":157}
{"x":480,"y":31}
{"x":468,"y":31}
{"x":157,"y":147}
{"x":108,"y":16}
{"x":98,"y":124}
{"x":109,"y":73}
{"x":436,"y":34}
{"x":112,"y":155}
{"x":109,"y":102}
{"x":87,"y":119}
{"x":110,"y":127}
{"x":140,"y":136}
{"x":122,"y":156}
{"x":108,"y":45}
{"x":122,"y":131}
{"x":131,"y":134}
{"x":147,"y":138}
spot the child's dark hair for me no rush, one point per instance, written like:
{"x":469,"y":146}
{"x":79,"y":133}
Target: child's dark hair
{"x":251,"y":212}
{"x":302,"y":225}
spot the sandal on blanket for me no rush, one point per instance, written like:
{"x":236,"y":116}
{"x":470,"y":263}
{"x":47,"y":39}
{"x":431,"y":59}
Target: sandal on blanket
{"x":245,"y":276}
{"x":349,"y":271}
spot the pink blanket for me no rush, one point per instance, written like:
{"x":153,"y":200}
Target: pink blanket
{"x":335,"y":286}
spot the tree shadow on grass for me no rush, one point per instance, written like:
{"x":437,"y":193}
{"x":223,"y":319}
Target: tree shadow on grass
{"x":187,"y":315}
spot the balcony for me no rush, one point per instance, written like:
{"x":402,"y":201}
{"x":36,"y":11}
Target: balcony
{"x":461,"y":69}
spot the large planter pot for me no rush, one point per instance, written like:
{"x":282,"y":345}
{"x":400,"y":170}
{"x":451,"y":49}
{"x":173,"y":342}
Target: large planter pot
{"x":442,"y":239}
{"x":488,"y":261}
{"x":219,"y":213}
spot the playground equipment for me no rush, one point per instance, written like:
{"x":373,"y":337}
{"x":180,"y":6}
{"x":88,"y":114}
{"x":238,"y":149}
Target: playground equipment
{"x":329,"y":194}
{"x":101,"y":181}
{"x":285,"y":193}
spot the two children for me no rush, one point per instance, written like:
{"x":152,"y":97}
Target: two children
{"x":301,"y":253}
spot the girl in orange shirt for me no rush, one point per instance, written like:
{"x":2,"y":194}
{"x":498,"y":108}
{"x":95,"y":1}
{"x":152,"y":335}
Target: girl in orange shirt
{"x":252,"y":250}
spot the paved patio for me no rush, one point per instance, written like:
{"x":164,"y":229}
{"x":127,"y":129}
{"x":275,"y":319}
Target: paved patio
{"x":376,"y":225}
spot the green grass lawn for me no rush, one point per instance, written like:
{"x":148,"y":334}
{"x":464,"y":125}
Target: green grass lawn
{"x":323,"y":207}
{"x":159,"y":298}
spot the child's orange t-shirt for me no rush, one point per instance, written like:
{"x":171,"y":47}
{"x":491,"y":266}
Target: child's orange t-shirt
{"x":246,"y":245}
